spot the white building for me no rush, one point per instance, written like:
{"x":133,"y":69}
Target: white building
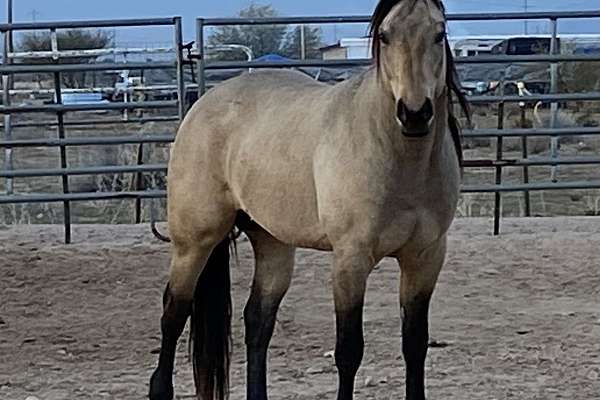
{"x":466,"y":46}
{"x":348,"y":49}
{"x":474,"y":45}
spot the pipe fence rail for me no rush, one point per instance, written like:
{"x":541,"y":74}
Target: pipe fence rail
{"x":202,"y":64}
{"x":8,"y":70}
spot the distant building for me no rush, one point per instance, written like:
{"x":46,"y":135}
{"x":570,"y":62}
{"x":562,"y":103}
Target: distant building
{"x":474,"y":46}
{"x":348,"y":49}
{"x":468,"y":46}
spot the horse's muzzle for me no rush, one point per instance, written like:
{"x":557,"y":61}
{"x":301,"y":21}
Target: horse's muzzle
{"x":415,"y":124}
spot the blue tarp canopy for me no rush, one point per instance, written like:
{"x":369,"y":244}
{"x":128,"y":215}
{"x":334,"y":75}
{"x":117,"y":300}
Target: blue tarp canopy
{"x":588,"y":49}
{"x":272,"y":58}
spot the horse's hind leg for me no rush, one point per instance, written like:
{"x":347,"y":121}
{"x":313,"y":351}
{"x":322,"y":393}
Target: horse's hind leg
{"x":198,"y":242}
{"x":272,"y":277}
{"x":420,"y":272}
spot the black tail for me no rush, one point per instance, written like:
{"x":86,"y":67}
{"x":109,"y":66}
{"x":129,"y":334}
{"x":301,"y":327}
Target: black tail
{"x":210,"y":334}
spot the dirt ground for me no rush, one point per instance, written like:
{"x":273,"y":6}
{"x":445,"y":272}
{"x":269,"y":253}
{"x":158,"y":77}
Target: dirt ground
{"x":515,"y":317}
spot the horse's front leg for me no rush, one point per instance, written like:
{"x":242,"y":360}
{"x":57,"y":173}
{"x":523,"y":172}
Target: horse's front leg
{"x":350,"y":272}
{"x":420,"y":271}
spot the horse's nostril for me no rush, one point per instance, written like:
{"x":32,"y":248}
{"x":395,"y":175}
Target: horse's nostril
{"x":402,"y":112}
{"x":427,"y":110}
{"x":406,"y":115}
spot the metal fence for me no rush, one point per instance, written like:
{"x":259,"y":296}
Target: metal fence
{"x":8,"y":70}
{"x":62,"y":142}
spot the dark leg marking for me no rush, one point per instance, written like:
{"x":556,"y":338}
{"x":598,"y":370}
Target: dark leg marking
{"x":172,"y":324}
{"x":349,"y":349}
{"x":259,"y":317}
{"x":415,"y":337}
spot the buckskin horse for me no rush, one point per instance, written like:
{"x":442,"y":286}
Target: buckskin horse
{"x":368,"y":168}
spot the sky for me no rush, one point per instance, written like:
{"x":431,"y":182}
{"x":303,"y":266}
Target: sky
{"x":53,"y":10}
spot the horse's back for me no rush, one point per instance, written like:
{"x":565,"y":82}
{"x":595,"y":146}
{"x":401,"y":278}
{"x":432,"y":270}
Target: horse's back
{"x":268,"y":95}
{"x":261,"y":85}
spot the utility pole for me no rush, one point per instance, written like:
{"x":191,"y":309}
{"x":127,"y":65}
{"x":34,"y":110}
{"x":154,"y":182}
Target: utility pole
{"x":525,"y":6}
{"x":9,"y":11}
{"x":9,"y":19}
{"x":34,"y":14}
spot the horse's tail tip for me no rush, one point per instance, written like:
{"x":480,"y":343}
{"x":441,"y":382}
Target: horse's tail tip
{"x":157,"y":233}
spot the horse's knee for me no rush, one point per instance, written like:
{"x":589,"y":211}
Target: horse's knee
{"x":419,"y":273}
{"x":352,"y":267}
{"x":350,"y":273}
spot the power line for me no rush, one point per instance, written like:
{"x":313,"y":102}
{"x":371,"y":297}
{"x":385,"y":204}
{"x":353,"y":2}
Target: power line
{"x":531,"y":4}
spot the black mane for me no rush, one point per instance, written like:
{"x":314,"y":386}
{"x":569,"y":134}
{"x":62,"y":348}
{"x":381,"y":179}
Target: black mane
{"x":452,"y":80}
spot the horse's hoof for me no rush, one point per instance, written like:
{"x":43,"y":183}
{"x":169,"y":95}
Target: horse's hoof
{"x":160,"y":388}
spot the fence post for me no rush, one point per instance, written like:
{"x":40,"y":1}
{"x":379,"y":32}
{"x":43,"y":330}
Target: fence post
{"x":525,"y":155}
{"x":499,"y":155}
{"x":180,"y":72}
{"x":139,"y":184}
{"x":303,"y":42}
{"x":6,"y":84}
{"x":201,"y":61}
{"x":60,"y":129}
{"x":553,"y":90}
{"x":63,"y":157}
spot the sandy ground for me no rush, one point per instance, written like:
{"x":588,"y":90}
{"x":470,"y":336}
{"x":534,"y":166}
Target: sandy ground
{"x":518,"y":317}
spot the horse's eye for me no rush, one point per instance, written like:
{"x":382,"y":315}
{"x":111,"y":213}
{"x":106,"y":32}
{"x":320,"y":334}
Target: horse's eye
{"x":439,"y":38}
{"x":383,"y":38}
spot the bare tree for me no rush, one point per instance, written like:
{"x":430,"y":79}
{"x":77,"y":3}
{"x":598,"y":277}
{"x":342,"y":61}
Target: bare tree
{"x":292,"y":46}
{"x":76,"y":39}
{"x":261,"y":39}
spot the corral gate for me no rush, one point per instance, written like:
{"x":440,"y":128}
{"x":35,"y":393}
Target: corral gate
{"x":8,"y":70}
{"x":498,"y":163}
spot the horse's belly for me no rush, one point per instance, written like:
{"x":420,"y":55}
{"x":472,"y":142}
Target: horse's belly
{"x":289,"y":220}
{"x":279,"y":195}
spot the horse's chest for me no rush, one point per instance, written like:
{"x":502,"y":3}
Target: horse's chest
{"x":419,"y":213}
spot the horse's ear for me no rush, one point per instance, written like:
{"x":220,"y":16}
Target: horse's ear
{"x":441,"y":6}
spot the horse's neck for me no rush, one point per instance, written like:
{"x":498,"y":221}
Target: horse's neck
{"x":376,"y":107}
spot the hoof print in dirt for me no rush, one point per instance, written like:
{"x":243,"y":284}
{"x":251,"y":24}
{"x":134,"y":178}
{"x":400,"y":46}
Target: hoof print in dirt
{"x":523,"y":332}
{"x":434,"y":344}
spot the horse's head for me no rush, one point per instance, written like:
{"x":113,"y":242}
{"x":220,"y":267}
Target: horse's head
{"x":414,"y":60}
